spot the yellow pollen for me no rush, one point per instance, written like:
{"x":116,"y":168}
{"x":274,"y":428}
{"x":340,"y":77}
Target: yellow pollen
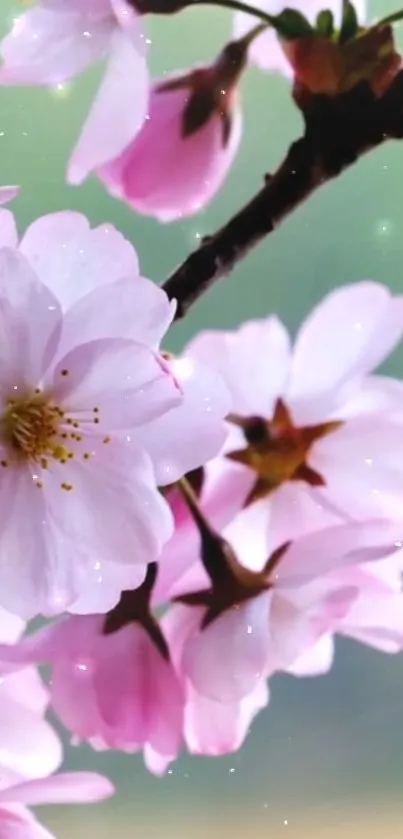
{"x":64,"y":372}
{"x":39,"y":484}
{"x":66,"y":486}
{"x":96,"y":420}
{"x":96,"y":410}
{"x":30,"y":427}
{"x":86,"y":455}
{"x":106,"y":440}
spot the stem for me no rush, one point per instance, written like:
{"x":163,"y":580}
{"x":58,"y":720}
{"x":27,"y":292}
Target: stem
{"x":339,"y":130}
{"x":395,"y":17}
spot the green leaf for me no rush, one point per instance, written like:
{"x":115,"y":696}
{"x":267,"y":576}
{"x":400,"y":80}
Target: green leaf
{"x":291,"y":24}
{"x":325,"y":23}
{"x":349,"y":24}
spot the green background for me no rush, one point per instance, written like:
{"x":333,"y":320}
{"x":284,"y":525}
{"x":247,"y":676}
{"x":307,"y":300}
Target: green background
{"x":326,"y":758}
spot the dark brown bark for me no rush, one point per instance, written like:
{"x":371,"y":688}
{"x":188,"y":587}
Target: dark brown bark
{"x":338,"y":131}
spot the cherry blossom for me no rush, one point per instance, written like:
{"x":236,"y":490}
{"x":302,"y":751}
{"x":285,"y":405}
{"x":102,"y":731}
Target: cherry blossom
{"x":16,"y":821}
{"x":312,"y":432}
{"x":58,"y":39}
{"x":181,"y":156}
{"x":77,"y":488}
{"x":266,"y":50}
{"x":243,"y":625}
{"x":112,"y":681}
{"x":95,"y":275}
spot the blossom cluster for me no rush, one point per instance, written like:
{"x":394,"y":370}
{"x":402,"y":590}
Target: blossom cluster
{"x":188,"y":526}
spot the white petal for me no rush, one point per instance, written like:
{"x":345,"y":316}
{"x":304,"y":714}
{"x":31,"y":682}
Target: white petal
{"x":191,"y":434}
{"x":46,"y":47}
{"x":30,"y":320}
{"x":72,"y":259}
{"x":114,"y":511}
{"x":253,"y":361}
{"x":347,"y":335}
{"x":132,"y":307}
{"x":128,"y":384}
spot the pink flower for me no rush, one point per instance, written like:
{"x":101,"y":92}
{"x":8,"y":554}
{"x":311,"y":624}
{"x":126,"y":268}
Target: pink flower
{"x":266,"y":50}
{"x":58,"y":39}
{"x":94,"y":275}
{"x":245,"y":625}
{"x":77,"y":488}
{"x":28,"y":745}
{"x":112,"y":682}
{"x":180,"y":158}
{"x":312,"y":433}
{"x":67,"y":788}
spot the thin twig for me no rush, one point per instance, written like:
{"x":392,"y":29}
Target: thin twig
{"x":338,"y":131}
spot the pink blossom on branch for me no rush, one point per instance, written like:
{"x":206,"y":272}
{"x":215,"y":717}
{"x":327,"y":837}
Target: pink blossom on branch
{"x":113,"y":684}
{"x":91,"y":292}
{"x":58,"y":39}
{"x":183,"y":153}
{"x":95,"y":274}
{"x":77,"y":489}
{"x":313,"y":433}
{"x":241,"y":626}
{"x":266,"y":51}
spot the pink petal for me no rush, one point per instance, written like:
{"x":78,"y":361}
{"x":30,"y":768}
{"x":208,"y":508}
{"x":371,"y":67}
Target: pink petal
{"x":115,"y":510}
{"x":335,"y":547}
{"x":7,"y":193}
{"x":142,"y":173}
{"x":316,"y":661}
{"x":18,"y":823}
{"x":128,"y":382}
{"x":36,"y":569}
{"x":217,"y":728}
{"x":253,"y":361}
{"x":138,"y":692}
{"x":369,"y":450}
{"x":73,"y":260}
{"x":191,"y":434}
{"x":46,"y":47}
{"x":11,"y":627}
{"x":118,"y":111}
{"x":100,"y":585}
{"x":28,"y":744}
{"x":226,"y":660}
{"x":132,"y":307}
{"x":8,"y":230}
{"x":64,"y":788}
{"x":346,"y":336}
{"x":30,"y":320}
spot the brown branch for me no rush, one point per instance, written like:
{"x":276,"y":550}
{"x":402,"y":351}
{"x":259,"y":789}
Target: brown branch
{"x":338,"y":131}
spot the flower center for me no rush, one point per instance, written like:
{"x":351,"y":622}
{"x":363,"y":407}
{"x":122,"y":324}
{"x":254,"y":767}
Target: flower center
{"x":35,"y":430}
{"x":277,"y":451}
{"x":31,"y":426}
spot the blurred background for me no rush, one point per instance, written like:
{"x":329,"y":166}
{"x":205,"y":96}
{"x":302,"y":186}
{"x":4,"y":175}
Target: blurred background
{"x":326,"y":757}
